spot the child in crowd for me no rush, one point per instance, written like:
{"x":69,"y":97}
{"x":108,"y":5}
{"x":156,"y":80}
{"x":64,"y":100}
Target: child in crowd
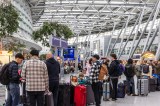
{"x":81,"y":78}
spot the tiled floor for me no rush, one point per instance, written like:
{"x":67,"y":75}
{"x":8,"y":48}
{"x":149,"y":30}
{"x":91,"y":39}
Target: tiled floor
{"x":2,"y":94}
{"x":153,"y":99}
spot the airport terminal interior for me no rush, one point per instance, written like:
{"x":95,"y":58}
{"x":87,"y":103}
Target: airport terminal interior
{"x":80,"y":32}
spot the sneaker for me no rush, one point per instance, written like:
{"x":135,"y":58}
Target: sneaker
{"x":113,"y":99}
{"x":134,"y":95}
{"x":129,"y":94}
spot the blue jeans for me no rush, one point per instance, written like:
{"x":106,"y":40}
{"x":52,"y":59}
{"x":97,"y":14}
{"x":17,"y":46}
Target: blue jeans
{"x":130,"y":85}
{"x":13,"y":95}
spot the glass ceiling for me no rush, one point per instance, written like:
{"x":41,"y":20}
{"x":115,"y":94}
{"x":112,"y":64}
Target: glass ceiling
{"x":91,"y":16}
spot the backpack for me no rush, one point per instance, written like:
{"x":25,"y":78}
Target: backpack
{"x":4,"y":74}
{"x":145,"y":69}
{"x":103,"y":72}
{"x":121,"y":69}
{"x":129,"y":71}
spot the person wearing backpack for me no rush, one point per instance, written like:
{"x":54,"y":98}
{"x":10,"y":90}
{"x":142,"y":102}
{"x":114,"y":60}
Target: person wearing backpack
{"x":129,"y":73}
{"x":146,"y":69}
{"x":13,"y":86}
{"x":121,"y":65}
{"x":114,"y":73}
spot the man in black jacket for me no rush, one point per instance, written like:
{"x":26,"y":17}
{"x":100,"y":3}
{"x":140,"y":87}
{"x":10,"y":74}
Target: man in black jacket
{"x":114,"y":75}
{"x":13,"y":87}
{"x":129,"y":73}
{"x":53,"y":72}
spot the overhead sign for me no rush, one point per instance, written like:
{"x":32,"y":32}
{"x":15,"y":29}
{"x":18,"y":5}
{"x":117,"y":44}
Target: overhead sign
{"x":64,"y":43}
{"x":58,"y":42}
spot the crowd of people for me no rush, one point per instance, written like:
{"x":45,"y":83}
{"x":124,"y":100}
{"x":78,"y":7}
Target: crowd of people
{"x":130,"y":68}
{"x":40,"y":77}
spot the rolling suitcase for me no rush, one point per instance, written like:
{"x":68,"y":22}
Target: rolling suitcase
{"x":152,"y":84}
{"x":49,"y":99}
{"x":106,"y":91}
{"x":143,"y":87}
{"x":64,"y":94}
{"x":90,"y":95}
{"x":80,"y":95}
{"x":72,"y":95}
{"x":121,"y":90}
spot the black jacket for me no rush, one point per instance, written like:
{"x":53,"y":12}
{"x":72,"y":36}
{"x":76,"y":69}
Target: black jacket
{"x":53,"y":69}
{"x":13,"y":72}
{"x":129,"y":70}
{"x":113,"y":72}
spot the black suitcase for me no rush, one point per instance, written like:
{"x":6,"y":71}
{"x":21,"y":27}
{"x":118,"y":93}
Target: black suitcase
{"x":90,"y":95}
{"x":121,"y":90}
{"x":49,"y":99}
{"x":72,"y":95}
{"x":64,"y":94}
{"x":152,"y":84}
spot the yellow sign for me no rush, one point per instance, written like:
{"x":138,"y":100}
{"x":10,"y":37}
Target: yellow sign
{"x":148,"y":55}
{"x":6,"y":53}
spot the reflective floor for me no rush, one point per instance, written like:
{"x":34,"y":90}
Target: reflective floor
{"x":153,"y":99}
{"x":2,"y":95}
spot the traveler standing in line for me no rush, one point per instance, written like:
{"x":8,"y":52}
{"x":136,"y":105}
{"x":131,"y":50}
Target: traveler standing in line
{"x":114,"y":75}
{"x":13,"y":87}
{"x":89,"y":65}
{"x":129,"y":73}
{"x":35,"y":74}
{"x":156,"y":66}
{"x":53,"y":72}
{"x":138,"y":70}
{"x":122,"y":67}
{"x":145,"y":69}
{"x":80,"y":67}
{"x":106,"y":62}
{"x":96,"y":84}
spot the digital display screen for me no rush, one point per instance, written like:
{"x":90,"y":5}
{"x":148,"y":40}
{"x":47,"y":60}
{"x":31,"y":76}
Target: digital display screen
{"x":68,"y":53}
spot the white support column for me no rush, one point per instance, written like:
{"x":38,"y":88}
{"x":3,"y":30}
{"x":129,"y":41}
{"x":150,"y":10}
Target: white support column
{"x":157,"y":56}
{"x":110,"y":41}
{"x":150,"y":31}
{"x":140,"y":37}
{"x":76,"y":54}
{"x":116,"y":39}
{"x":134,"y":39}
{"x":123,"y":34}
{"x":129,"y":36}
